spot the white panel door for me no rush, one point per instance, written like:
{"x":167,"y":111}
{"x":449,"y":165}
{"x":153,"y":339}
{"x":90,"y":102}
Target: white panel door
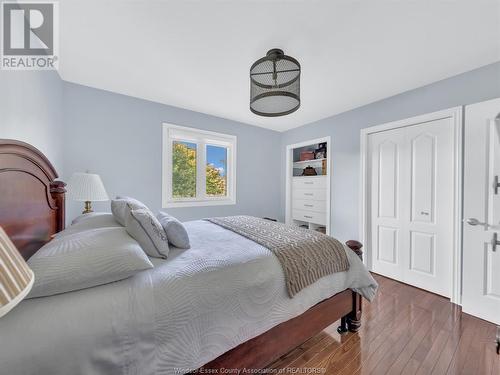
{"x":430,"y":206}
{"x":411,"y":195}
{"x":481,"y":256}
{"x":386,"y":151}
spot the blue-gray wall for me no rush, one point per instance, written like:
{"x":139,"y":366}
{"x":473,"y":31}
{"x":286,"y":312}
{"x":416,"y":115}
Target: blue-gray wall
{"x":474,"y":86}
{"x":120,"y":138}
{"x":30,"y":111}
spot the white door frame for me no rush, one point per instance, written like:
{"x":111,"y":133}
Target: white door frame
{"x":288,"y":177}
{"x":456,"y":114}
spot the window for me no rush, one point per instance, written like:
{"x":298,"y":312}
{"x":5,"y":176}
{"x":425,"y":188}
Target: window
{"x":198,"y":167}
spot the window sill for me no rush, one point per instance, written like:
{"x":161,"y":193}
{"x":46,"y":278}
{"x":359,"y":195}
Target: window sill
{"x":199,"y":203}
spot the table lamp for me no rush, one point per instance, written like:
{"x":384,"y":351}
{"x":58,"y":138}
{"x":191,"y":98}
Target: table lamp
{"x":16,"y":278}
{"x":86,"y":187}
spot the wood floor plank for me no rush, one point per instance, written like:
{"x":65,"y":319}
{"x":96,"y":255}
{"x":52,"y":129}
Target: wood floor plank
{"x":393,"y":343}
{"x":382,"y":319}
{"x":378,"y":312}
{"x":451,"y":346}
{"x":465,"y":342}
{"x":404,"y":331}
{"x":480,"y":353}
{"x":291,"y":359}
{"x":416,"y":339}
{"x":378,"y":331}
{"x":426,"y":351}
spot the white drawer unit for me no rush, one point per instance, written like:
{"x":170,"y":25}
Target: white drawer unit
{"x":317,"y":182}
{"x":309,"y":216}
{"x":309,"y":205}
{"x":309,"y":194}
{"x":309,"y":199}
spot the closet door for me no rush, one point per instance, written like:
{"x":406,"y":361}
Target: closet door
{"x":429,"y":220}
{"x":387,"y":150}
{"x":411,"y":194}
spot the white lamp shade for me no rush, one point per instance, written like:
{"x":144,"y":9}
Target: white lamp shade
{"x":16,"y":278}
{"x":86,"y":187}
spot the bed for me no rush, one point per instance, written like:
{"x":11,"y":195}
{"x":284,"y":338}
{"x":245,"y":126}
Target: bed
{"x":220,"y":304}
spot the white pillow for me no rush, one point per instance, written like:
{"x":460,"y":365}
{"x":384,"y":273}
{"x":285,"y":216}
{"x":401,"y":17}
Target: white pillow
{"x":86,"y":259}
{"x":145,"y":228}
{"x":176,"y":232}
{"x":96,"y":220}
{"x":121,"y":207}
{"x":92,"y":220}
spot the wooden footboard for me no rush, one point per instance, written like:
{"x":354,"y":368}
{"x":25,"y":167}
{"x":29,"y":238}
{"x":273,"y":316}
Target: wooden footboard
{"x":262,"y":350}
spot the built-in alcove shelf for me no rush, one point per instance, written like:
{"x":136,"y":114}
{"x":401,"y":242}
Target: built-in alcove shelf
{"x":307,"y":190}
{"x":308,"y":225}
{"x":317,"y":158}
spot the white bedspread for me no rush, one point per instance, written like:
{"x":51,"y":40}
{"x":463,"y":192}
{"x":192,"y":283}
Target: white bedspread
{"x":188,"y":310}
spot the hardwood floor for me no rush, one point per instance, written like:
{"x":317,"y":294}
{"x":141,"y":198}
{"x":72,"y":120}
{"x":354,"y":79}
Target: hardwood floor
{"x":404,"y":331}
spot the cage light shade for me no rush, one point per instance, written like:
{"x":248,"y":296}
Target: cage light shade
{"x":275,"y":85}
{"x":16,"y":278}
{"x":86,"y":187}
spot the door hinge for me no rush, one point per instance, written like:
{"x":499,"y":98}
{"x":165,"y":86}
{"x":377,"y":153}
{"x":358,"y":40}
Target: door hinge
{"x":496,"y":184}
{"x":494,"y":242}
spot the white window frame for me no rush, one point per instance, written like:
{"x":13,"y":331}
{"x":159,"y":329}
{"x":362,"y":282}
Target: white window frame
{"x":201,"y":138}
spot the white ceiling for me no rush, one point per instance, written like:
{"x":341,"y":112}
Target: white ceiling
{"x":197,"y":54}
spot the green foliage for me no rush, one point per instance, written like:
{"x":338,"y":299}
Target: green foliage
{"x":183,"y":171}
{"x":184,"y":174}
{"x":216,"y":184}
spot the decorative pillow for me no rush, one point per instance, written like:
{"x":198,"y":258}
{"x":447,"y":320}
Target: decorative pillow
{"x":147,"y":230}
{"x":176,"y":232}
{"x":86,"y":259}
{"x":131,"y":200}
{"x":121,"y":206}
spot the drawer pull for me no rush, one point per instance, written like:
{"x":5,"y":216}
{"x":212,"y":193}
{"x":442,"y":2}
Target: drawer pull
{"x":309,"y":217}
{"x":308,"y":205}
{"x":310,"y":194}
{"x":308,"y":183}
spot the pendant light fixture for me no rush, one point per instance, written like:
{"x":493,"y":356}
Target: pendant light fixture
{"x":275,"y":85}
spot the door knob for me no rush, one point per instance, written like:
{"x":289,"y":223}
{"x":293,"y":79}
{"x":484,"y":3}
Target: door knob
{"x":473,"y":221}
{"x":494,"y":242}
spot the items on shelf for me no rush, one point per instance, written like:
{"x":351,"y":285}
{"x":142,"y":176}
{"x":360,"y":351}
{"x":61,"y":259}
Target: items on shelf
{"x":306,"y":155}
{"x":320,"y":152}
{"x":309,"y":171}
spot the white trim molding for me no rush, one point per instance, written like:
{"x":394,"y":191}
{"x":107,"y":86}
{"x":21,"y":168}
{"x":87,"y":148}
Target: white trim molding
{"x":456,"y":114}
{"x":201,"y":138}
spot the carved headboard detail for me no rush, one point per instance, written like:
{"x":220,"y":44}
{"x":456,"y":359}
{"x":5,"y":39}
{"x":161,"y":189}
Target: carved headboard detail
{"x":31,"y":200}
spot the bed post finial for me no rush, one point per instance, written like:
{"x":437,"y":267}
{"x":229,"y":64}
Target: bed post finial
{"x":356,"y":247}
{"x":58,"y":191}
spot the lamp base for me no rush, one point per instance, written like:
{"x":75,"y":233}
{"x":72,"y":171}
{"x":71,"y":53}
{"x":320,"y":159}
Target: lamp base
{"x":88,"y":208}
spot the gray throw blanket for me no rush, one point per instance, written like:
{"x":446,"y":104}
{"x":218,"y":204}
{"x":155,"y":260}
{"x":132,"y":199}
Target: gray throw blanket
{"x":305,"y":255}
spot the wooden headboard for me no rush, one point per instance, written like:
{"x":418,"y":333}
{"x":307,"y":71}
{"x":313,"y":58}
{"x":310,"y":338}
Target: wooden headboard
{"x":31,"y":200}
